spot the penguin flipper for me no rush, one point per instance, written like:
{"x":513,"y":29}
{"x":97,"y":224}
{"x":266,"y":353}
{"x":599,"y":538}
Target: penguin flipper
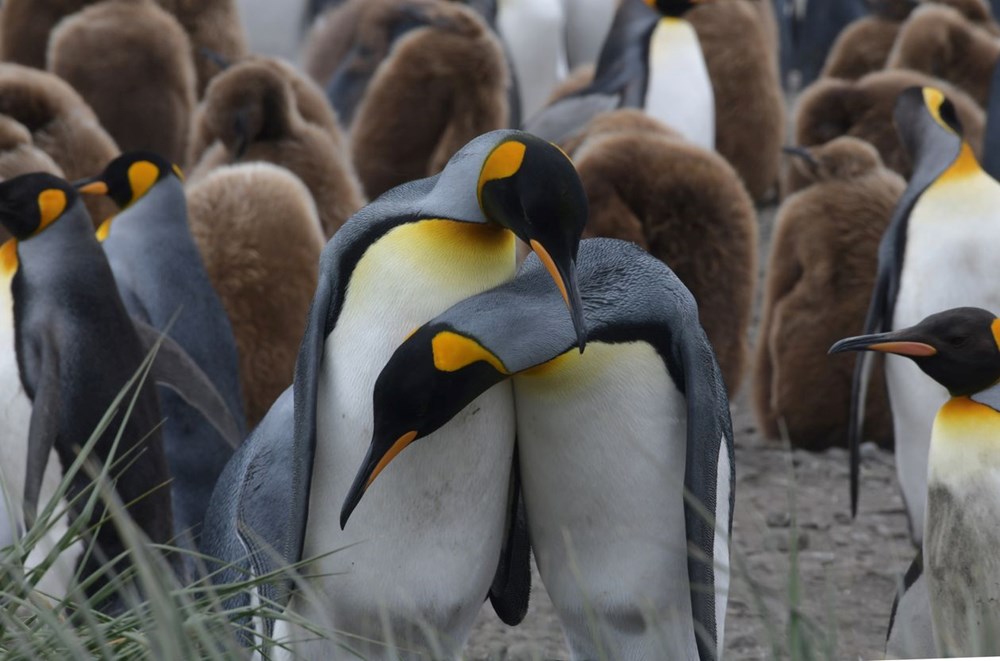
{"x":175,"y":369}
{"x":991,"y":141}
{"x":910,"y":633}
{"x":569,"y":116}
{"x":511,"y":587}
{"x":42,"y":432}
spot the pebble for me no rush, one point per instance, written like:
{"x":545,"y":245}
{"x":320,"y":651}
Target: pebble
{"x":778,"y":520}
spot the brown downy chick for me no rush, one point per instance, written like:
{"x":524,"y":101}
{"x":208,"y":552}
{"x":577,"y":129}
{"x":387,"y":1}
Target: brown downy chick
{"x":213,"y":26}
{"x":61,"y":124}
{"x":940,"y":42}
{"x":749,"y":104}
{"x":257,"y":229}
{"x":330,"y":36}
{"x":250,"y":113}
{"x":819,"y":279}
{"x":130,"y":61}
{"x":24,"y":31}
{"x":832,"y":107}
{"x":686,"y":206}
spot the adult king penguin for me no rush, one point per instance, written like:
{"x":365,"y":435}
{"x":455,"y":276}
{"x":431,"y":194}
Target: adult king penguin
{"x":938,"y":251}
{"x":956,"y":587}
{"x":162,"y":281}
{"x":608,"y":441}
{"x":413,"y":252}
{"x":652,"y":60}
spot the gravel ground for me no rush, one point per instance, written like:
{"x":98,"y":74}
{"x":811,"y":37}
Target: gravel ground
{"x":848,"y":570}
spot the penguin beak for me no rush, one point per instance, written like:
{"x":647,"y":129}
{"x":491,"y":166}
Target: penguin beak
{"x":563,"y":272}
{"x":91,"y":186}
{"x":380,"y":453}
{"x":801,"y":152}
{"x":901,"y":343}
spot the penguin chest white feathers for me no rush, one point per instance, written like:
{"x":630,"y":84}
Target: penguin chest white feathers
{"x":963,"y":529}
{"x":950,"y":261}
{"x":602,"y":442}
{"x":423,"y":545}
{"x":533,"y":31}
{"x":678,"y":91}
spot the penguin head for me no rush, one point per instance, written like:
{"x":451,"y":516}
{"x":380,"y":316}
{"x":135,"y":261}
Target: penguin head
{"x":31,"y":202}
{"x":958,"y":348}
{"x":673,"y":8}
{"x":530,"y":186}
{"x":924,"y":119}
{"x":432,"y":376}
{"x":129,"y":176}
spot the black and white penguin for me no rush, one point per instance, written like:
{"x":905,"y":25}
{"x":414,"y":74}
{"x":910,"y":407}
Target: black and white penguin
{"x":959,"y":568}
{"x":162,"y":281}
{"x":651,"y":60}
{"x":938,"y":252}
{"x":404,"y":258}
{"x":608,"y":441}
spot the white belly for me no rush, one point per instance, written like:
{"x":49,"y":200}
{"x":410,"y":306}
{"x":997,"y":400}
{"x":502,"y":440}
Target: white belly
{"x":950,"y":261}
{"x":679,"y":92}
{"x":533,"y":32}
{"x":421,"y":549}
{"x":602,"y":443}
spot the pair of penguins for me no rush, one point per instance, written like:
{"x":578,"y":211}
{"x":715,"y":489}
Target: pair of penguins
{"x":80,"y":311}
{"x":608,"y":441}
{"x":938,"y":252}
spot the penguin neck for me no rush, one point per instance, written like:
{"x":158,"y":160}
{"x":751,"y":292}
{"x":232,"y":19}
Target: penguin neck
{"x":965,"y":440}
{"x":962,"y":168}
{"x":163,"y":206}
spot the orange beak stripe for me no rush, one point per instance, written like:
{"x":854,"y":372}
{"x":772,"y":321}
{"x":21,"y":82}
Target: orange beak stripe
{"x":905,"y":348}
{"x":396,"y":448}
{"x":551,"y":266}
{"x":94,"y":188}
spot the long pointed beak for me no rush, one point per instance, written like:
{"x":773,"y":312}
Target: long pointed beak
{"x":564,"y":276}
{"x":91,"y":186}
{"x":374,"y":463}
{"x":895,"y":342}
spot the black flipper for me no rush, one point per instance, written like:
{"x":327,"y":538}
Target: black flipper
{"x":42,"y":433}
{"x":511,"y":588}
{"x":173,"y":368}
{"x":991,"y":141}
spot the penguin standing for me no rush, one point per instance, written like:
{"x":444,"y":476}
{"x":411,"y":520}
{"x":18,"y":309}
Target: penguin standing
{"x":395,"y":264}
{"x":959,"y":567}
{"x":938,"y":251}
{"x":65,"y":330}
{"x":608,"y":441}
{"x":651,"y":60}
{"x":162,"y":281}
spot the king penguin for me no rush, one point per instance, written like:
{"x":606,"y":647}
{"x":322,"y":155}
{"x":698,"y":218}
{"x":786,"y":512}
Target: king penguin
{"x":608,"y":441}
{"x":954,"y":585}
{"x":407,"y":256}
{"x":162,"y":281}
{"x":937,"y":252}
{"x":67,"y":348}
{"x":651,"y":60}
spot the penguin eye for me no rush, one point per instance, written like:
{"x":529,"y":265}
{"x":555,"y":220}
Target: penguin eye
{"x":957,"y":340}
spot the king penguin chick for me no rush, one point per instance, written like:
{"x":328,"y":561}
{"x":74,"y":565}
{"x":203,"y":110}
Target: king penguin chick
{"x":251,"y":113}
{"x":960,"y":350}
{"x":68,"y":348}
{"x":937,"y":251}
{"x":24,"y":32}
{"x":214,"y":29}
{"x":162,"y":281}
{"x":818,"y":281}
{"x":686,"y":206}
{"x":939,"y":41}
{"x":402,"y":259}
{"x":608,"y":443}
{"x":61,"y":124}
{"x":130,"y":61}
{"x":864,"y":45}
{"x":257,"y":230}
{"x":864,"y":109}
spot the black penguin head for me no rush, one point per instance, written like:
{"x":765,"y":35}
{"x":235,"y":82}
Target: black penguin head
{"x":922,"y":114}
{"x":530,"y":187}
{"x":673,"y":8}
{"x":432,"y":376}
{"x":31,"y":202}
{"x":129,"y":176}
{"x":957,"y":348}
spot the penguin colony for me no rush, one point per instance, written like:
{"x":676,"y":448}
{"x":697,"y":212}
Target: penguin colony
{"x":321,"y":338}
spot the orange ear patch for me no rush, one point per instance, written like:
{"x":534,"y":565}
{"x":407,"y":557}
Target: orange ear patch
{"x":141,"y":177}
{"x":51,"y":204}
{"x":502,"y":162}
{"x":452,"y":352}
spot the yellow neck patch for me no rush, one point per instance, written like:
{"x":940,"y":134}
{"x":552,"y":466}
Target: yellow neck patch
{"x":452,"y":352}
{"x":8,"y":258}
{"x":178,"y":171}
{"x":964,"y":165}
{"x":141,"y":177}
{"x":995,"y":327}
{"x":502,"y":163}
{"x":51,"y":204}
{"x":104,"y":229}
{"x":933,"y":99}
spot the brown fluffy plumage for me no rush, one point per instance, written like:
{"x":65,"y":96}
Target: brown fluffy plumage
{"x":24,"y":32}
{"x":130,"y":61}
{"x":939,"y":41}
{"x":214,"y":25}
{"x":61,"y":124}
{"x":686,"y":206}
{"x":749,"y":104}
{"x":819,"y":279}
{"x":832,"y":107}
{"x":252,"y":112}
{"x":432,"y":90}
{"x":258,"y":232}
